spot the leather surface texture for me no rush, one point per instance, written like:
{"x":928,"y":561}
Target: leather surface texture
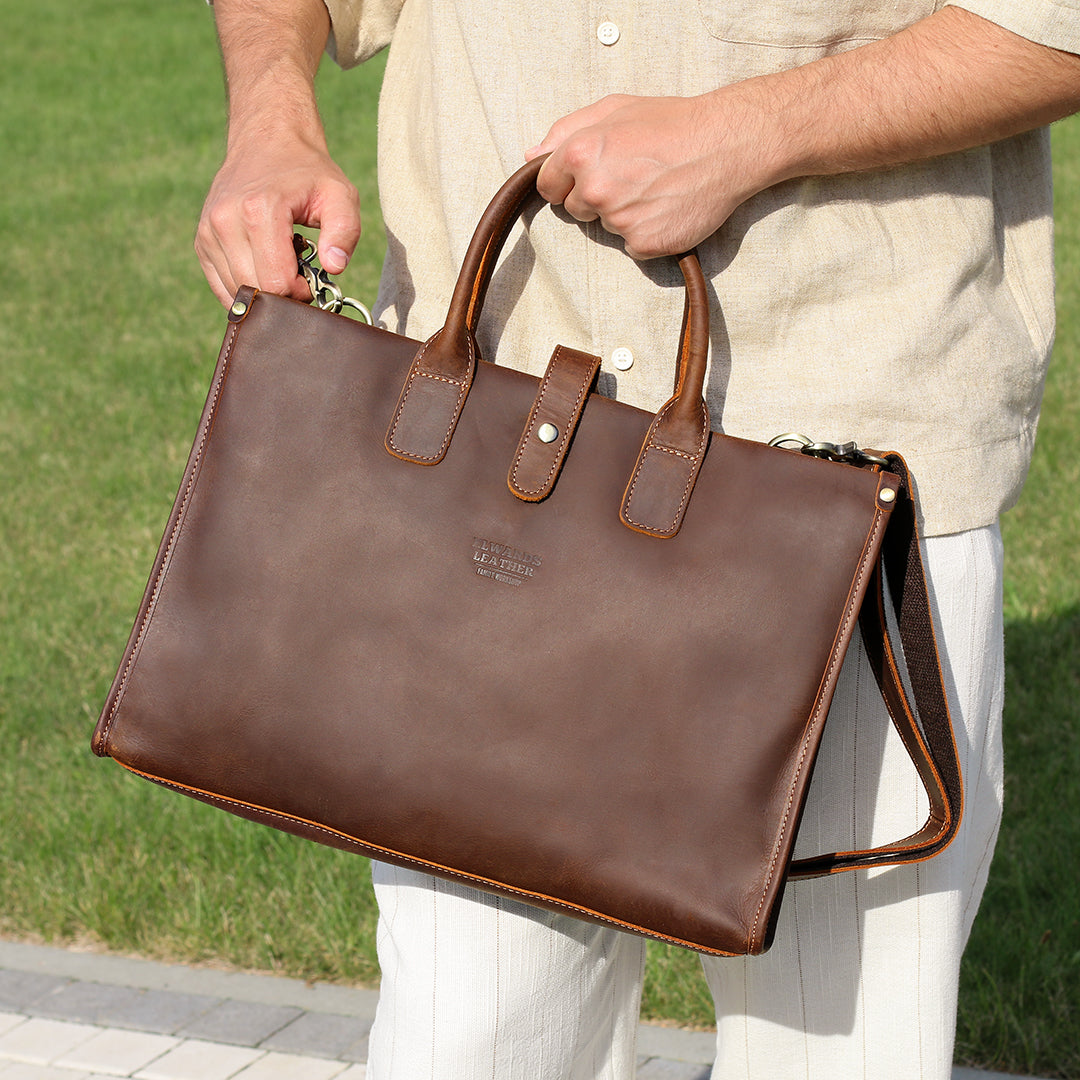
{"x":516,"y":688}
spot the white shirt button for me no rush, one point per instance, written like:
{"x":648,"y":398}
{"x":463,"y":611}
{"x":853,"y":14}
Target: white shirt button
{"x":608,"y":33}
{"x":622,"y":359}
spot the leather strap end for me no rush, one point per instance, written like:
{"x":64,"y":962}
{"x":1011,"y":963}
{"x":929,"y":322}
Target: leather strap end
{"x":241,"y":304}
{"x":552,"y":420}
{"x":888,"y":491}
{"x":431,"y":400}
{"x":659,"y":491}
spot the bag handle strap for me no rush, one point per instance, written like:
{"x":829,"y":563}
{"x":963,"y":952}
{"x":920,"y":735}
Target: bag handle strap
{"x":441,"y":375}
{"x":925,"y":725}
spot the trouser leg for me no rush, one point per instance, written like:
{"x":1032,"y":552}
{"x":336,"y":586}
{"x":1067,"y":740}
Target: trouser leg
{"x":862,"y":978}
{"x":477,"y":986}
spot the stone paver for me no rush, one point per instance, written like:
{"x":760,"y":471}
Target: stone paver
{"x":117,"y":1053}
{"x":9,"y":1020}
{"x":323,"y":1035}
{"x":661,"y":1069}
{"x":83,"y":1002}
{"x":40,"y":1042}
{"x":291,"y":1067}
{"x":195,"y":1059}
{"x":244,"y":1023}
{"x":17,"y":1071}
{"x":163,"y":1011}
{"x":19,"y":989}
{"x":675,"y":1044}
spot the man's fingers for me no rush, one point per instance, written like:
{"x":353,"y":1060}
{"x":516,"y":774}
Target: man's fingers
{"x":212,"y":259}
{"x":334,"y":259}
{"x":257,"y":238}
{"x":338,"y":214}
{"x":335,"y":248}
{"x":275,"y":265}
{"x":236,"y":247}
{"x":570,"y":178}
{"x":217,"y":286}
{"x":245,"y":232}
{"x":566,"y":126}
{"x":554,"y":181}
{"x":339,"y":230}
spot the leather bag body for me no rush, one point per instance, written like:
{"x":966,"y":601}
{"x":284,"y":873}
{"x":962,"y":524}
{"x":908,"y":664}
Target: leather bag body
{"x":505,"y":630}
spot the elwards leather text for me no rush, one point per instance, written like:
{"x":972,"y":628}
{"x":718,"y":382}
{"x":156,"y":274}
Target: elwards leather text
{"x":501,"y":562}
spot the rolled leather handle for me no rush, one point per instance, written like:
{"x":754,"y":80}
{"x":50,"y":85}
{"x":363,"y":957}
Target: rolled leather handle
{"x":441,"y":375}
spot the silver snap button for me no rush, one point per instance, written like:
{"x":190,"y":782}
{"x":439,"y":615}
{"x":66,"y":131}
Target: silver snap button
{"x":547,"y":432}
{"x":622,"y":359}
{"x":608,"y":33}
{"x":888,"y":495}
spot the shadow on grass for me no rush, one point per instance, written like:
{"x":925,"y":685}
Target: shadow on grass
{"x":1020,"y":985}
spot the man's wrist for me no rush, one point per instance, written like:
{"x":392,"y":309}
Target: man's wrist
{"x":753,"y":123}
{"x":258,"y":122}
{"x":271,"y":52}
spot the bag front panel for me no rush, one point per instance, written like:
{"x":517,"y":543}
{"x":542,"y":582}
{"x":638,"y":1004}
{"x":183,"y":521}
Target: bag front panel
{"x":530,"y":693}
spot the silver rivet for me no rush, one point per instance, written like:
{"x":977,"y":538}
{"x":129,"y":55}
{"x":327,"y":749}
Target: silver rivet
{"x":622,"y":358}
{"x":547,"y":432}
{"x":887,"y":495}
{"x":239,"y":308}
{"x":608,"y":33}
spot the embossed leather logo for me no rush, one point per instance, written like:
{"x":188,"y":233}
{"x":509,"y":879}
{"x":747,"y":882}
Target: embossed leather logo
{"x":503,"y":563}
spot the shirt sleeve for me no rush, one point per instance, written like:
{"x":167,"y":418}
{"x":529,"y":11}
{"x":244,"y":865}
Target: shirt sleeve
{"x":360,"y":28}
{"x":1047,"y":22}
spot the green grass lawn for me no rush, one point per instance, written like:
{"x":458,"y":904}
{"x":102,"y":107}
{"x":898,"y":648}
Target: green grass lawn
{"x":111,"y":131}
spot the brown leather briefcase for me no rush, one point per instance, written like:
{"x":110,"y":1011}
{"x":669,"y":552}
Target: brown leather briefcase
{"x":503,"y":629}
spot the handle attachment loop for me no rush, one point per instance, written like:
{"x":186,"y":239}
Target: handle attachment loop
{"x":441,"y":375}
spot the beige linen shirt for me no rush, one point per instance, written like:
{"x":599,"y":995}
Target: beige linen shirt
{"x":910,"y":309}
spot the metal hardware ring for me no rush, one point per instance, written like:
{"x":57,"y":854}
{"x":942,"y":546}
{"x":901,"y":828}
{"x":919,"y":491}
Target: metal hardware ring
{"x":325,"y":292}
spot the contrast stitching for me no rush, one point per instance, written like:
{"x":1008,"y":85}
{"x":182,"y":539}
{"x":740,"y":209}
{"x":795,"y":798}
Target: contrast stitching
{"x":682,"y":502}
{"x":416,"y":373}
{"x":694,"y":460}
{"x":437,"y":378}
{"x":535,"y":415}
{"x":879,"y":518}
{"x":215,"y":393}
{"x":443,"y":871}
{"x":672,"y":450}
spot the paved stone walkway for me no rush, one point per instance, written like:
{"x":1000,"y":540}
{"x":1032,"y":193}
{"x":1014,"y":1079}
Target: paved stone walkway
{"x":81,"y":1016}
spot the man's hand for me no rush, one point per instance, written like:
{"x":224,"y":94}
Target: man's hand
{"x":277,"y":171}
{"x":665,"y":173}
{"x":245,"y":232}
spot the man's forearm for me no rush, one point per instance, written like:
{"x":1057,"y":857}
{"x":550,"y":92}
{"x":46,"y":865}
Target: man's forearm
{"x":664,"y":173}
{"x":950,"y":82}
{"x":277,"y":170}
{"x":271,"y":50}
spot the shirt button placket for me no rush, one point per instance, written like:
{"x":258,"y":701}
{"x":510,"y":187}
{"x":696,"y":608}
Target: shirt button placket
{"x":610,"y":61}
